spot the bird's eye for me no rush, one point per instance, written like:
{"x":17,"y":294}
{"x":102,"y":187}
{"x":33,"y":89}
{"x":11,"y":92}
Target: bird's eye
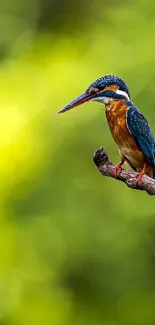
{"x":92,"y":90}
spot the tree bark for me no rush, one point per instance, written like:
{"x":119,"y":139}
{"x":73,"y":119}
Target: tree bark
{"x":106,"y":168}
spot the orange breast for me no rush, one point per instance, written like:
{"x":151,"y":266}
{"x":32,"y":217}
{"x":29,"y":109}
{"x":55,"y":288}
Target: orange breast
{"x":116,"y":117}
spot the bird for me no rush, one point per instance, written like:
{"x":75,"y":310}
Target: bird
{"x":128,"y":126}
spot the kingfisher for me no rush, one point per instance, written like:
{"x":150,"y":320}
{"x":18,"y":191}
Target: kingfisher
{"x":128,"y":126}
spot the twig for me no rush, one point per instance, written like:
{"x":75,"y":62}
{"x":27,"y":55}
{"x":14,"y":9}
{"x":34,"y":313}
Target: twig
{"x":127,"y":176}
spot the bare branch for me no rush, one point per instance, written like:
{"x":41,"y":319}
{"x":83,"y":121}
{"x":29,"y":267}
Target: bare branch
{"x":127,"y":176}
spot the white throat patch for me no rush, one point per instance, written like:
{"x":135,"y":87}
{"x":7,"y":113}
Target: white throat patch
{"x":103,"y":100}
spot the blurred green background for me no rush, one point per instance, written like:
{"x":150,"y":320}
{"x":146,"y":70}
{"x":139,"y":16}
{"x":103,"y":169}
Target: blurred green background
{"x":75,"y":248}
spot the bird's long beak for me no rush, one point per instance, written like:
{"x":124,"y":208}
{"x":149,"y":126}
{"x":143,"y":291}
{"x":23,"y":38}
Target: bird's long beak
{"x":85,"y":97}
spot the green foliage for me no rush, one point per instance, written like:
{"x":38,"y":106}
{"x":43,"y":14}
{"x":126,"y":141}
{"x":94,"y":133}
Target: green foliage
{"x":75,"y":248}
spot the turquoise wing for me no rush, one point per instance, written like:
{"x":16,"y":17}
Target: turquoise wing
{"x":138,"y":126}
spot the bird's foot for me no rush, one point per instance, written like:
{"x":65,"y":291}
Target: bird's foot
{"x":141,"y":173}
{"x":140,"y":176}
{"x":117,"y":167}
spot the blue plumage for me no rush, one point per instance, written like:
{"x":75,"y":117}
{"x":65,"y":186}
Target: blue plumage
{"x":108,"y":80}
{"x":128,"y":126}
{"x":138,"y":126}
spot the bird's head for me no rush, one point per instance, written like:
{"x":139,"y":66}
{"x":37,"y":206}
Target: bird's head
{"x":102,"y":90}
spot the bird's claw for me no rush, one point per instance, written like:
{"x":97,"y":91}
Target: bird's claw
{"x":138,"y":179}
{"x":116,"y":169}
